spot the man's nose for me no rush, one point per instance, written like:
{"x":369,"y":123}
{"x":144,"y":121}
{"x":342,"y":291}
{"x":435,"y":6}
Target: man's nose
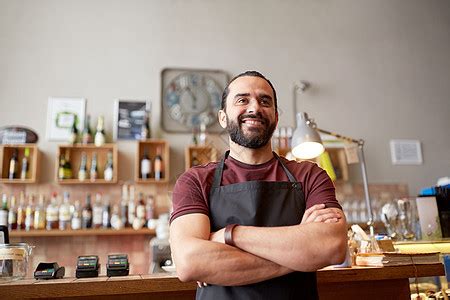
{"x":253,"y":106}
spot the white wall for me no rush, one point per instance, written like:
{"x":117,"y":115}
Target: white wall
{"x":379,"y":69}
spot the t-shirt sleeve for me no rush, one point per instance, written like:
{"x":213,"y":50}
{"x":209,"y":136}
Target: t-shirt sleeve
{"x":319,"y":188}
{"x":187,"y":196}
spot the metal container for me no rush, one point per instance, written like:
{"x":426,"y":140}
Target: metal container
{"x":14,"y":261}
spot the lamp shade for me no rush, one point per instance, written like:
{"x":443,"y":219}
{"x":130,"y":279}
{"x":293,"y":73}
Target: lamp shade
{"x":306,"y":141}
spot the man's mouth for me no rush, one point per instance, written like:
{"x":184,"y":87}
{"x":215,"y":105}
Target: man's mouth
{"x":254,"y":122}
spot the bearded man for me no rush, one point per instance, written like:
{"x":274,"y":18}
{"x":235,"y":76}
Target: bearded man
{"x":255,"y":225}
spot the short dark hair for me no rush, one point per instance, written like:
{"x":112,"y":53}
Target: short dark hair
{"x":226,"y":91}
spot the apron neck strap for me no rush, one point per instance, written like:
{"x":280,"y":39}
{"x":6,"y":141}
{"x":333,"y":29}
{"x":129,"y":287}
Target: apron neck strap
{"x":219,"y":170}
{"x":286,"y":170}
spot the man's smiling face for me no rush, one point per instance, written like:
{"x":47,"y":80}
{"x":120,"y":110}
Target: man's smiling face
{"x":250,"y":116}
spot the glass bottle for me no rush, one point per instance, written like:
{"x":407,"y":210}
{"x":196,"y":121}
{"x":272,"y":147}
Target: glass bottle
{"x":25,"y":164}
{"x":139,"y":221}
{"x":82,"y":172}
{"x":39,"y":213}
{"x":146,"y":166}
{"x":29,"y":214}
{"x":21,"y":212}
{"x":106,"y":213}
{"x":159,"y":165}
{"x":108,"y":173}
{"x":4,"y":212}
{"x":73,"y":139}
{"x":202,"y":135}
{"x":52,"y":213}
{"x":93,"y":174}
{"x":100,"y":133}
{"x":62,"y":162}
{"x":65,"y":216}
{"x":86,"y":137}
{"x":86,"y":215}
{"x":12,"y":214}
{"x":116,"y":220}
{"x":145,"y":128}
{"x":14,"y":165}
{"x":150,"y":209}
{"x":65,"y":168}
{"x":97,"y":212}
{"x":124,"y":207}
{"x":76,"y":216}
{"x":131,"y":206}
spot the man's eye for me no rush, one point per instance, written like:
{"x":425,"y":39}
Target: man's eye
{"x":265,"y":102}
{"x":242,"y":100}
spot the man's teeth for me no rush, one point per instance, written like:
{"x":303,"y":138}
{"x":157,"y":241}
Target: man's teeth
{"x":252,"y":122}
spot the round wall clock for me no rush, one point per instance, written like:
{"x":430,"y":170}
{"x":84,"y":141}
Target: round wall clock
{"x":191,"y":97}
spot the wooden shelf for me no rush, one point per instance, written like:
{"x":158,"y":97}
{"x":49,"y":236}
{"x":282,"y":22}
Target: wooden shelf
{"x":151,"y":146}
{"x":204,"y":155}
{"x":17,"y":181}
{"x":6,"y":152}
{"x":87,"y":181}
{"x":81,"y":232}
{"x":75,"y":160}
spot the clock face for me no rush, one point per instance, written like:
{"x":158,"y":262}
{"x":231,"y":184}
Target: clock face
{"x":191,"y":97}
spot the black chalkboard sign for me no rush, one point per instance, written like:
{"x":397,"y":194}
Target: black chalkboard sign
{"x":129,"y":116}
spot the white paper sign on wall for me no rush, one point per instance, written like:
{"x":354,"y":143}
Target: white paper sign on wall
{"x":406,"y":152}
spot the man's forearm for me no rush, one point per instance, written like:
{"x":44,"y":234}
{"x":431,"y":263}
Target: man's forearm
{"x":304,"y":247}
{"x":216,"y":263}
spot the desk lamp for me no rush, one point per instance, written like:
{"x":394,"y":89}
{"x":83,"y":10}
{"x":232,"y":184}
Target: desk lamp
{"x":307,"y":144}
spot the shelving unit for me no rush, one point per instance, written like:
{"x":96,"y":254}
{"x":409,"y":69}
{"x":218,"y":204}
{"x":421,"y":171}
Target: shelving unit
{"x":6,"y":152}
{"x":81,"y":232}
{"x":151,"y":147}
{"x":204,"y":155}
{"x":75,"y":152}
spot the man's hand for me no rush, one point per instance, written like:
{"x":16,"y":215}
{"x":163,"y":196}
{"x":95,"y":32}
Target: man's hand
{"x":318,"y":213}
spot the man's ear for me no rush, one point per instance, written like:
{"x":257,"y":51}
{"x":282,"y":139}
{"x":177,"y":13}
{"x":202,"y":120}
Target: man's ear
{"x":222,"y":118}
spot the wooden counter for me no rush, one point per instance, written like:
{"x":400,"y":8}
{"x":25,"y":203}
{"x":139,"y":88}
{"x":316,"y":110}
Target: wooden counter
{"x":345,"y":283}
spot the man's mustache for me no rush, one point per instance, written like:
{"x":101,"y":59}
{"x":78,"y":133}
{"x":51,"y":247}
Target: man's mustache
{"x":253,"y":116}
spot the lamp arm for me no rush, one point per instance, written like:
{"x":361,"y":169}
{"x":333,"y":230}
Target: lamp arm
{"x":342,"y":137}
{"x":362,"y":162}
{"x":366,"y":189}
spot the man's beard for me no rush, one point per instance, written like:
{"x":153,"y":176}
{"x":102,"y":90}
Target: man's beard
{"x":257,"y":137}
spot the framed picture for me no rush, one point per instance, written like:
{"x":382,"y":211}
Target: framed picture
{"x":61,"y":114}
{"x":129,"y":116}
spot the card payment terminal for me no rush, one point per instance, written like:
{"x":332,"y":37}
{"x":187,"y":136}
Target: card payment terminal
{"x":87,"y":266}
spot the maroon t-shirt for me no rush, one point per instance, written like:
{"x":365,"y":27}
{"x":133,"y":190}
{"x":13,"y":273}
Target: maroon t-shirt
{"x":191,"y":191}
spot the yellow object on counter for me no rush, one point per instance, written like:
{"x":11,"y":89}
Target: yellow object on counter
{"x":442,"y":246}
{"x":325,"y":163}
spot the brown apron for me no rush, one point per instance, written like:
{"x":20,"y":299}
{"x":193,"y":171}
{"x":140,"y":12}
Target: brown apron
{"x":265,"y":204}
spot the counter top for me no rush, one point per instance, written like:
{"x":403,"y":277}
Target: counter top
{"x":166,"y":286}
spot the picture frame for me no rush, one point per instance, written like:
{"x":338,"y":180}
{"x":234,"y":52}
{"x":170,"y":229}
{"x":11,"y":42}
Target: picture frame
{"x":61,"y":113}
{"x":128,"y":118}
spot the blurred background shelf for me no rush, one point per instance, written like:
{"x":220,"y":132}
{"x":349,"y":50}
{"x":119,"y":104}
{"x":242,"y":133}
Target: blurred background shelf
{"x":81,"y":232}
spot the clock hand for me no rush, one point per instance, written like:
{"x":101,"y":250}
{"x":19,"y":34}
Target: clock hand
{"x":194,"y":99}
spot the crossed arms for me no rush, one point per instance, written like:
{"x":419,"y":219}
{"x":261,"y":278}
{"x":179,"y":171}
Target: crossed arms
{"x":261,"y":253}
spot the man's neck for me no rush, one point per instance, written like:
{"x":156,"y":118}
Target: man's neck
{"x":251,"y":156}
